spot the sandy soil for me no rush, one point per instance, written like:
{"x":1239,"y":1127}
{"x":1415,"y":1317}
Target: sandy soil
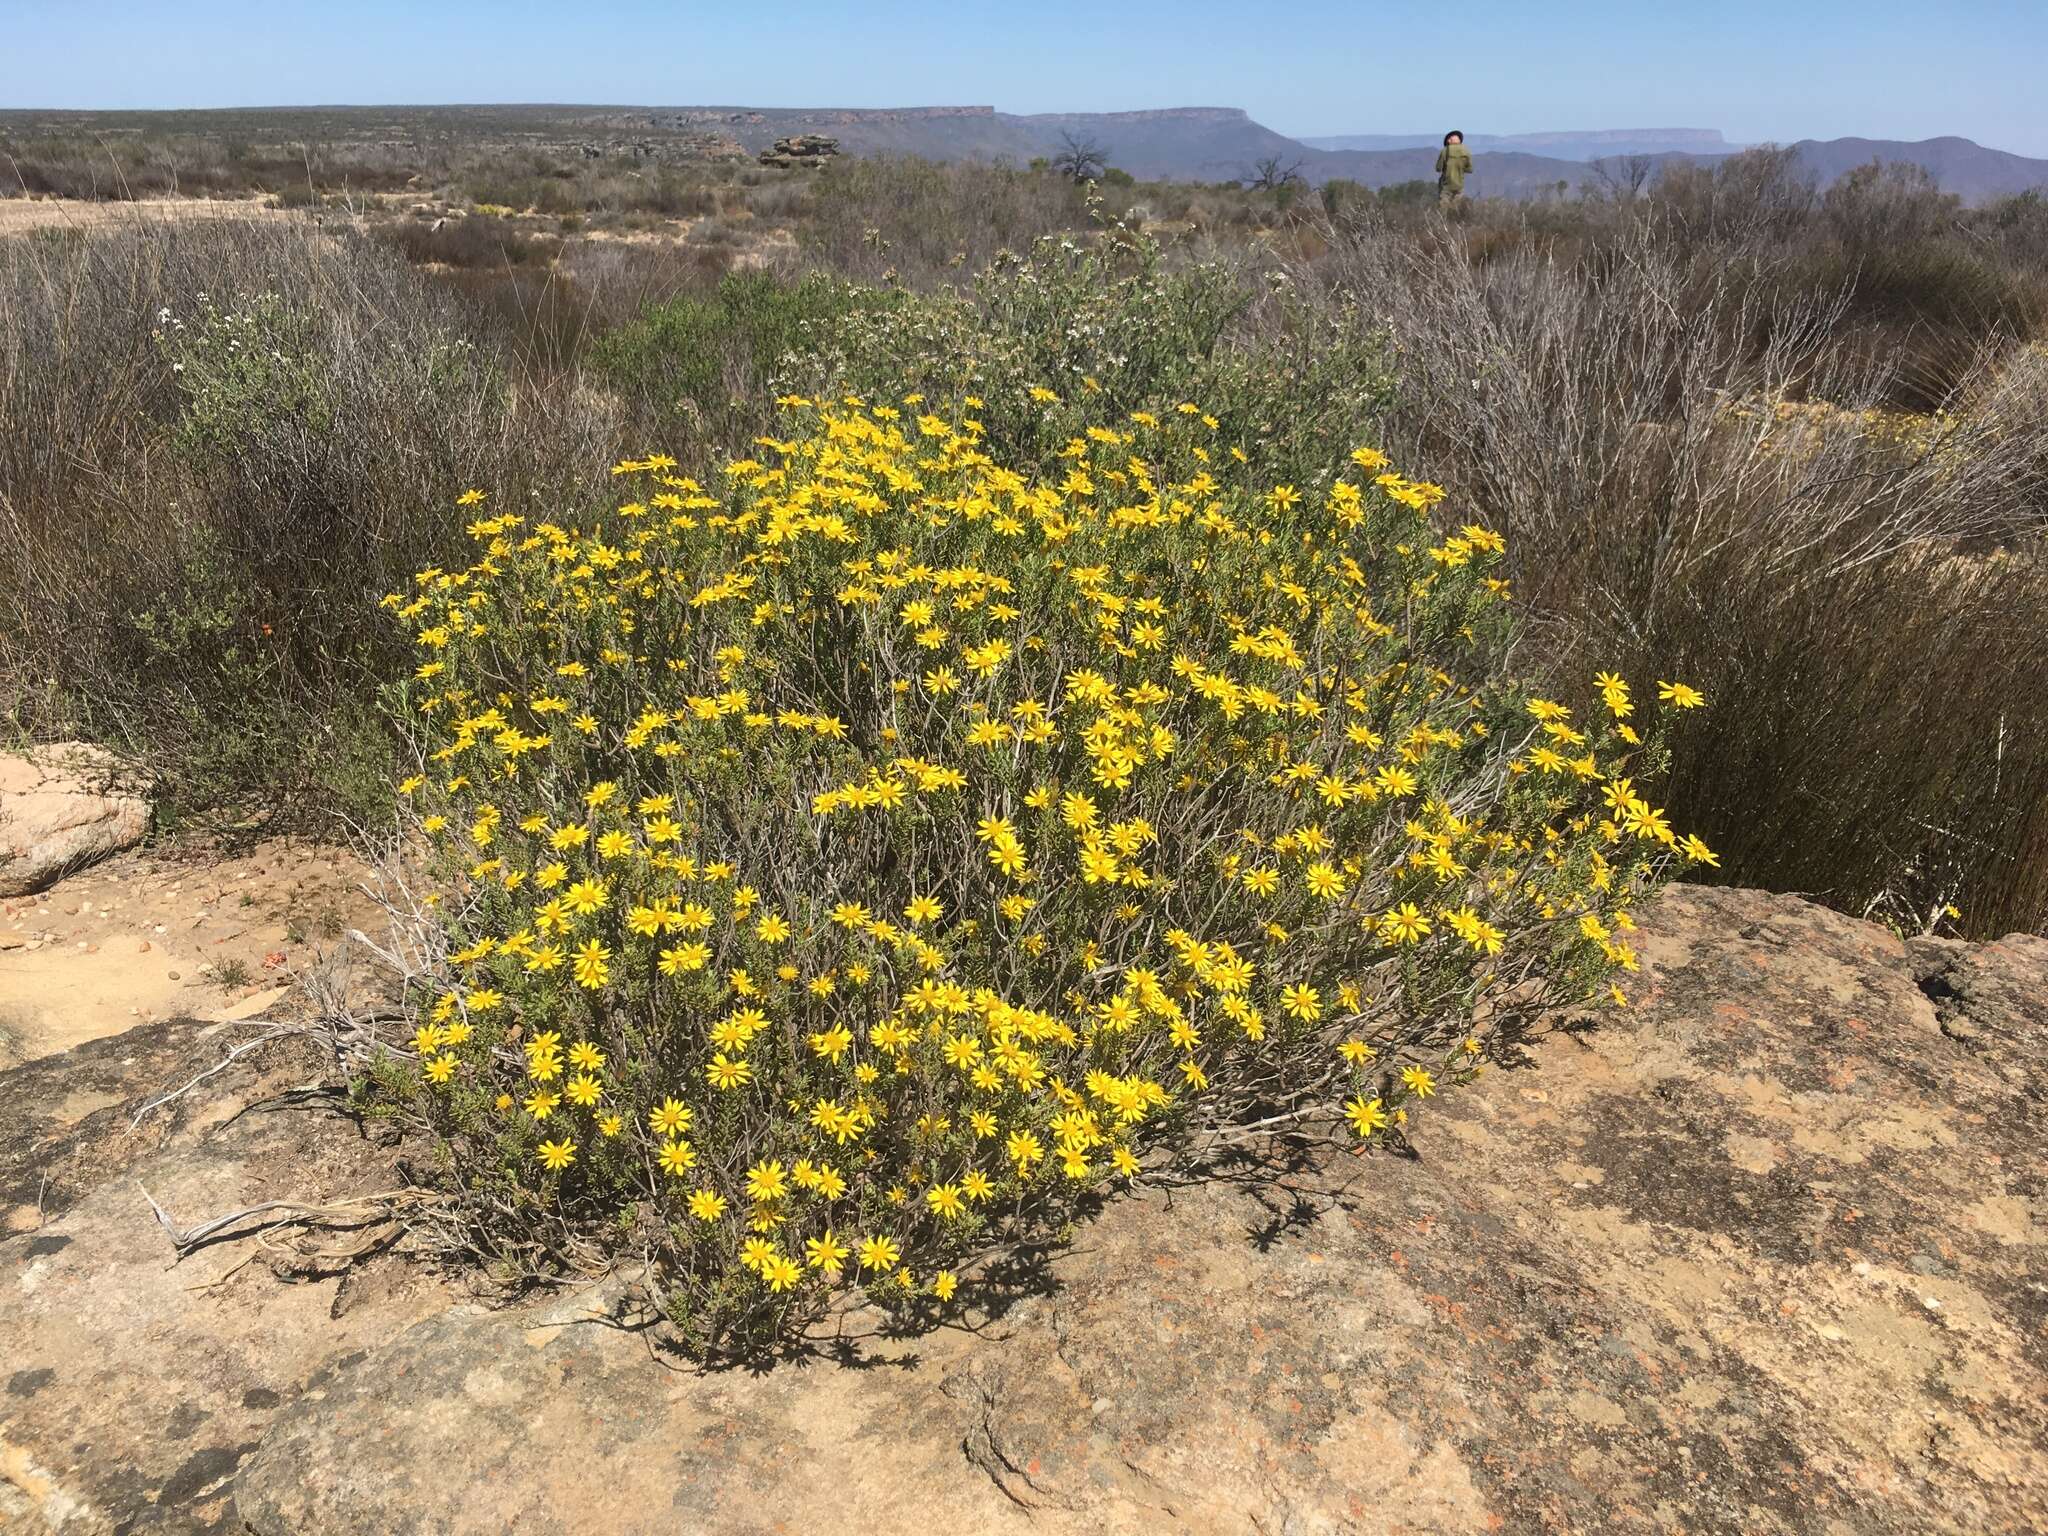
{"x":159,"y":934}
{"x":771,"y":247}
{"x":18,"y":215}
{"x":763,"y":247}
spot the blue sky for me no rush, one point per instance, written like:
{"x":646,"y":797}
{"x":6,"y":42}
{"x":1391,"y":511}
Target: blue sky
{"x":1784,"y":70}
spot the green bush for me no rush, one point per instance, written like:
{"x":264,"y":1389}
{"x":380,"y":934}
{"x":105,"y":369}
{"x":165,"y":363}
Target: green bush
{"x":1110,"y":324}
{"x":247,"y":375}
{"x":694,"y":368}
{"x":1407,"y":194}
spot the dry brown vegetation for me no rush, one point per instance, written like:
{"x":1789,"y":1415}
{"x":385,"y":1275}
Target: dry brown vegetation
{"x":1787,"y":446}
{"x":1711,"y":459}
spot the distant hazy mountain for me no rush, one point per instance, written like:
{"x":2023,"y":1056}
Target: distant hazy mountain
{"x":1178,"y":143}
{"x":1971,"y":171}
{"x":1168,"y":144}
{"x":1575,"y":144}
{"x":1173,"y":143}
{"x":1223,"y":143}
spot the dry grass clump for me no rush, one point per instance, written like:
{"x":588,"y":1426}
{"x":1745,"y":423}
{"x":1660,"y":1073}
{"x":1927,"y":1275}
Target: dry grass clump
{"x":924,"y":223}
{"x":225,"y":436}
{"x":1705,"y":470}
{"x":480,"y":240}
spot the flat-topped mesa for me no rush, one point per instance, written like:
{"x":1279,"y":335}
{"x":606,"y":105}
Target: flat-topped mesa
{"x":921,"y":112}
{"x":832,"y":117}
{"x":1148,"y":115}
{"x":889,"y":114}
{"x":1701,"y":140}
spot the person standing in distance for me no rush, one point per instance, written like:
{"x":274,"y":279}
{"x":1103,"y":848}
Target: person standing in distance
{"x":1453,"y":165}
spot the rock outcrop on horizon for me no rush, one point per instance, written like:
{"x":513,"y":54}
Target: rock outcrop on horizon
{"x":806,"y":151}
{"x":1763,"y":1254}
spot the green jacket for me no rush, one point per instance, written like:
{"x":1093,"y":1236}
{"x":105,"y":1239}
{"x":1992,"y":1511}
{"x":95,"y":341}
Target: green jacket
{"x":1453,"y":165}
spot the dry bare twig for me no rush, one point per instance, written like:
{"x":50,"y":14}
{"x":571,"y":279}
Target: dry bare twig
{"x":344,"y":1215}
{"x":276,"y":1031}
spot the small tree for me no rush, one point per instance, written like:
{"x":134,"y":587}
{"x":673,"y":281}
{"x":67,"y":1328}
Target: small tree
{"x":1279,"y":178}
{"x":1081,"y":158}
{"x":1273,"y":174}
{"x":1624,"y":176}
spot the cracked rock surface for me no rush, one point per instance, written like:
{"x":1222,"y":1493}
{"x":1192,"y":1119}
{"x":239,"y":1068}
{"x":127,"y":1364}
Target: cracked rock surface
{"x":1765,"y":1253}
{"x":133,"y":1385}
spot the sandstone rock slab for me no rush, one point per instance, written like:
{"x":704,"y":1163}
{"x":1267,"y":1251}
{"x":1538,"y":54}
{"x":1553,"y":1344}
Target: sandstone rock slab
{"x":133,"y":1383}
{"x":1764,"y":1254}
{"x":63,"y":807}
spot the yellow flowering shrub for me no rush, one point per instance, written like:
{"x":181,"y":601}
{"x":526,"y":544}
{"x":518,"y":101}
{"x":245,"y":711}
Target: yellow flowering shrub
{"x":850,"y":863}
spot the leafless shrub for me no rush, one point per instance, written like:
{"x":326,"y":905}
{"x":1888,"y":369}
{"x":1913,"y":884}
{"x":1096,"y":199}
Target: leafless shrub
{"x":1756,"y":195}
{"x":924,"y":223}
{"x":1703,"y":481}
{"x":1274,"y":173}
{"x":195,"y":574}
